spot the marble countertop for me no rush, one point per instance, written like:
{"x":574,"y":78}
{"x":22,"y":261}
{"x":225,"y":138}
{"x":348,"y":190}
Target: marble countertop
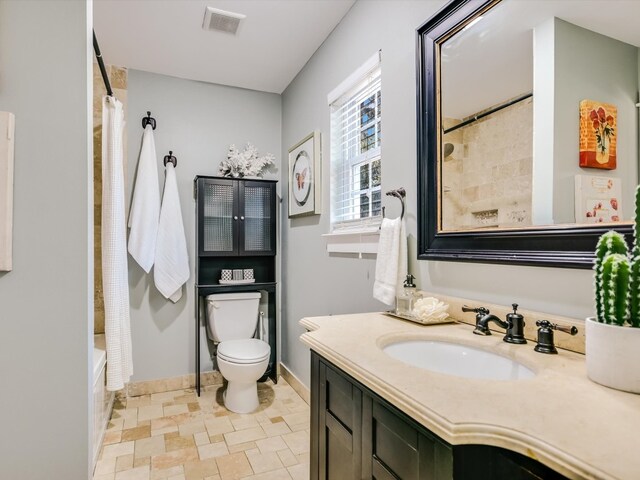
{"x":559,"y":417}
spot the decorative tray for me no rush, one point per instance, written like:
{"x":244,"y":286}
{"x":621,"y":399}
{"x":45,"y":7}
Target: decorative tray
{"x":237,"y":282}
{"x":411,"y":318}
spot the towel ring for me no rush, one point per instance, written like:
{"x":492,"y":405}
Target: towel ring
{"x":400,"y":194}
{"x":170,"y":158}
{"x":148,"y":120}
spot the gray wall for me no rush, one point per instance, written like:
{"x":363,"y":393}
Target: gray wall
{"x":197,"y":121}
{"x":317,"y":283}
{"x":46,"y":309}
{"x":595,"y":67}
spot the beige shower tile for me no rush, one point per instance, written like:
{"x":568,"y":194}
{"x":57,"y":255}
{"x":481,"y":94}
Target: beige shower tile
{"x":140,"y":473}
{"x":201,"y":438}
{"x":242,"y":436}
{"x":112,"y":436}
{"x":213,"y":450}
{"x":163,"y":397}
{"x":107,"y":465}
{"x":175,"y":410}
{"x":298,"y":442}
{"x":150,"y":412}
{"x":139,"y":462}
{"x":125,"y":462}
{"x":272,"y":444}
{"x":175,"y":441}
{"x":263,"y":462}
{"x":188,"y":429}
{"x":117,"y":450}
{"x":234,"y":466}
{"x":241,"y":447}
{"x":136,"y":433}
{"x":218,"y":426}
{"x":141,"y":401}
{"x":287,"y":458}
{"x":148,"y":447}
{"x":275,"y":429}
{"x":175,"y":458}
{"x":105,"y":476}
{"x":280,"y":474}
{"x":200,"y":469}
{"x":242,"y":422}
{"x":297,"y":418}
{"x":299,"y":472}
{"x":162,"y":473}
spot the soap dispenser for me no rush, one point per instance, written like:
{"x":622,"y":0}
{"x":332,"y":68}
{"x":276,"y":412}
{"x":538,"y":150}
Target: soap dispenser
{"x":406,"y":299}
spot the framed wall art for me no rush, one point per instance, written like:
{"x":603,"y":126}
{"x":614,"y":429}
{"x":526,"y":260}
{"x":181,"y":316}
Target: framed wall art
{"x":305,"y":176}
{"x":598,"y":135}
{"x":6,"y":189}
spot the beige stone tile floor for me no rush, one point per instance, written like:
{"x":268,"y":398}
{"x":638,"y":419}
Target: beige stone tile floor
{"x":180,"y":436}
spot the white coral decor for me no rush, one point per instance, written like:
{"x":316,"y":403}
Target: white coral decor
{"x":430,"y":308}
{"x":245,"y":163}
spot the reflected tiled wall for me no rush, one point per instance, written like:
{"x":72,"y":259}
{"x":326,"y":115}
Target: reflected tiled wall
{"x":118,"y":80}
{"x":487,"y":178}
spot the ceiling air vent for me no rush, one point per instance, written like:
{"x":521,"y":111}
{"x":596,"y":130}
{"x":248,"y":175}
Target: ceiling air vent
{"x":222,"y":21}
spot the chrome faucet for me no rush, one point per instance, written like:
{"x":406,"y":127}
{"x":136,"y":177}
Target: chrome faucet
{"x":514,"y":325}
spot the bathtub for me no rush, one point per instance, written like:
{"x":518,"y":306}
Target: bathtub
{"x":102,"y":399}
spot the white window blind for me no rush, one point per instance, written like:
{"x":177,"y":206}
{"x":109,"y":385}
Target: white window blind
{"x":355,"y":150}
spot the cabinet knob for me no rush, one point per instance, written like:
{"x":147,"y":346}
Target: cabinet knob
{"x":241,"y":218}
{"x":235,"y":217}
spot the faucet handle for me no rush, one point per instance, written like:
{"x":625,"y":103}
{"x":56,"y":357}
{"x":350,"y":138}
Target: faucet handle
{"x":478,"y":310}
{"x":545,"y":335}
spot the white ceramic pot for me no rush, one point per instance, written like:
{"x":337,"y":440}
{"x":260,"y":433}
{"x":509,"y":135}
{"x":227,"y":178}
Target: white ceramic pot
{"x":613,"y":355}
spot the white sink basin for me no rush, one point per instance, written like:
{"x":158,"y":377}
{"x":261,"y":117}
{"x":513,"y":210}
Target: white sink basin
{"x":456,"y":359}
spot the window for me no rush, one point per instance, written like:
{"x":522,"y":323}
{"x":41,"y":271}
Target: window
{"x":356,"y":135}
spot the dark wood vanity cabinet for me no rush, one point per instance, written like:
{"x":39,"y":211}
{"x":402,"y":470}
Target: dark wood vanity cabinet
{"x":355,"y":434}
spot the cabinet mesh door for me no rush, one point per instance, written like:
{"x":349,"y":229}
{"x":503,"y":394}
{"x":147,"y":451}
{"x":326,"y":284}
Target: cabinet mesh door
{"x":218,"y":218}
{"x":257,"y":218}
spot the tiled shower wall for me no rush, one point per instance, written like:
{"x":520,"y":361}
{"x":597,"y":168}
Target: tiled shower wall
{"x":487,"y":179}
{"x":118,"y":80}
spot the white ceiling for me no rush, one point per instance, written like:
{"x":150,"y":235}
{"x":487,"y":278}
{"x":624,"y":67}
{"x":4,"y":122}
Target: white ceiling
{"x":493,"y":60}
{"x":165,"y":36}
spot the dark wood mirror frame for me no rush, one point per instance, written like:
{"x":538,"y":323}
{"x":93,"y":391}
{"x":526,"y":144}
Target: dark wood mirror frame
{"x":554,"y":246}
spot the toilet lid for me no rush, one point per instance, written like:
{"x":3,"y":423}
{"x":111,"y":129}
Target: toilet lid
{"x":250,"y":350}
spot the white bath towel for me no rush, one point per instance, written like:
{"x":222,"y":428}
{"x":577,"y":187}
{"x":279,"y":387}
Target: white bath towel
{"x":145,"y":206}
{"x":115,"y":280}
{"x":171,"y":269}
{"x":391,"y":262}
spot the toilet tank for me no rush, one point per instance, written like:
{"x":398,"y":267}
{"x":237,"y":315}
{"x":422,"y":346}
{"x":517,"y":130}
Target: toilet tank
{"x":232,"y":316}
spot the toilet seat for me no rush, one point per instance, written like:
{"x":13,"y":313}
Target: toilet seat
{"x":245,"y":351}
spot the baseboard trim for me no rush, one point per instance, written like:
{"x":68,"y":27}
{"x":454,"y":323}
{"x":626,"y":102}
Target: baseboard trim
{"x":147,"y":387}
{"x":295,"y":383}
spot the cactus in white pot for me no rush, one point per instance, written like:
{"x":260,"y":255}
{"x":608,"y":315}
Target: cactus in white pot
{"x":617,"y":276}
{"x":612,"y":347}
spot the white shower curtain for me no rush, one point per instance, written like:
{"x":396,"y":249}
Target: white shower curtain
{"x":117,"y":324}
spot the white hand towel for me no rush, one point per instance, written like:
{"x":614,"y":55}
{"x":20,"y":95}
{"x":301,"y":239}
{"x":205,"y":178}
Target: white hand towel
{"x":171,"y":269}
{"x":391,"y":262}
{"x":117,"y":324}
{"x":145,"y":206}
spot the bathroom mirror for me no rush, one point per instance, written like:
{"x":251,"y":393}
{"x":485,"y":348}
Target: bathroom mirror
{"x":527,"y":129}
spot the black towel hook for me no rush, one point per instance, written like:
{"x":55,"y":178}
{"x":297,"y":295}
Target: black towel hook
{"x":170,"y":158}
{"x":148,"y":120}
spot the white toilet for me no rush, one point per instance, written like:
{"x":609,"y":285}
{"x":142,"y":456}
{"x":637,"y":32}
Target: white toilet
{"x":231,"y":322}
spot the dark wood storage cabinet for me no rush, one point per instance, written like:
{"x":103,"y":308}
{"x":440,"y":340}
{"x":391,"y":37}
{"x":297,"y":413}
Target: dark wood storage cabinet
{"x":236,"y":217}
{"x":355,"y":434}
{"x":236,"y":224}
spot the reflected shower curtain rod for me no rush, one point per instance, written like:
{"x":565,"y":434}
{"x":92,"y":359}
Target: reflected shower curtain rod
{"x":103,"y":70}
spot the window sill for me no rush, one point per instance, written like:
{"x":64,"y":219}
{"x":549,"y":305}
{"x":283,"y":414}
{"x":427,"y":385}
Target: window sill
{"x":353,"y":241}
